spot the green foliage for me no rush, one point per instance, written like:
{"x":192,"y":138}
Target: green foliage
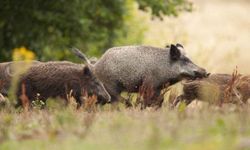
{"x":50,"y":28}
{"x":165,"y":7}
{"x":38,"y":104}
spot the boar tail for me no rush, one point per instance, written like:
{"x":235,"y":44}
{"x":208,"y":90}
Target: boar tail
{"x":82,"y":56}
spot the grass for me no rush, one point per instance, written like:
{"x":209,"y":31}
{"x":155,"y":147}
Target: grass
{"x":188,"y":128}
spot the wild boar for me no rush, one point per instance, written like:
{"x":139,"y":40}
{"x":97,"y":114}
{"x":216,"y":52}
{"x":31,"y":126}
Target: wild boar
{"x":59,"y":79}
{"x":243,"y":87}
{"x":127,"y":68}
{"x":7,"y":70}
{"x":217,"y":88}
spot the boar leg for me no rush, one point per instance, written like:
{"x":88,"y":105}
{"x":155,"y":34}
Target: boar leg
{"x":77,"y":95}
{"x":24,"y":95}
{"x":75,"y":90}
{"x":155,"y":100}
{"x":159,"y":99}
{"x":150,"y":93}
{"x":123,"y":100}
{"x":177,"y":100}
{"x":78,"y":101}
{"x":182,"y":98}
{"x":115,"y":95}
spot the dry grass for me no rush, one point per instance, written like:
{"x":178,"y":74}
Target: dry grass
{"x":230,"y":90}
{"x":64,"y":128}
{"x":24,"y":99}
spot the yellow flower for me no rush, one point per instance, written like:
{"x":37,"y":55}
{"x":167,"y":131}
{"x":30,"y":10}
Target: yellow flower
{"x":22,"y":53}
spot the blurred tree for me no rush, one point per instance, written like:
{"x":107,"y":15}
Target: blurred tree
{"x":159,"y":8}
{"x":51,"y":27}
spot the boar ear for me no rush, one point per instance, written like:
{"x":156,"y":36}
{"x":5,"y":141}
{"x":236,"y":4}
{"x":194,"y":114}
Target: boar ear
{"x":87,"y":71}
{"x":175,"y":53}
{"x":179,"y":45}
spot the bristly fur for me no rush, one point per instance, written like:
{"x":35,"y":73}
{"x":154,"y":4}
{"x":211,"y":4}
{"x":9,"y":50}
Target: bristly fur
{"x":6,"y":73}
{"x":127,"y":68}
{"x":231,"y":89}
{"x":58,"y":79}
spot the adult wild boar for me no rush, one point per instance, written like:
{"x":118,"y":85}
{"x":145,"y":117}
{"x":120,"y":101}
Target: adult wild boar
{"x":217,"y":88}
{"x":59,"y":79}
{"x":7,"y":71}
{"x":127,"y":68}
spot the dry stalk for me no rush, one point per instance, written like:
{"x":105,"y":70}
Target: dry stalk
{"x":24,"y":99}
{"x":230,"y":91}
{"x":89,"y":102}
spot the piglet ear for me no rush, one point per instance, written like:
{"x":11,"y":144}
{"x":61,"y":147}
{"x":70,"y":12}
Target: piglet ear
{"x":87,"y":71}
{"x":175,"y":53}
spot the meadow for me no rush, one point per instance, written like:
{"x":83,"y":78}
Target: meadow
{"x":215,"y":35}
{"x":65,"y":128}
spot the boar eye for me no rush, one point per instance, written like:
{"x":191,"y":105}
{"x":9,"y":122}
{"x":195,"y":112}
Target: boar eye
{"x":186,"y":60}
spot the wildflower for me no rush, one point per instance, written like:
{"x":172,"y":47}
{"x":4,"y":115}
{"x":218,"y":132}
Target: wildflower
{"x":22,"y":53}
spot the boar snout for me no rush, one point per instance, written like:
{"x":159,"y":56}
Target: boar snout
{"x":104,"y":96}
{"x":200,"y":73}
{"x":103,"y":100}
{"x":193,"y":74}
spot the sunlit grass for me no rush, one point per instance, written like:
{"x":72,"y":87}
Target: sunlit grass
{"x":126,"y":129}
